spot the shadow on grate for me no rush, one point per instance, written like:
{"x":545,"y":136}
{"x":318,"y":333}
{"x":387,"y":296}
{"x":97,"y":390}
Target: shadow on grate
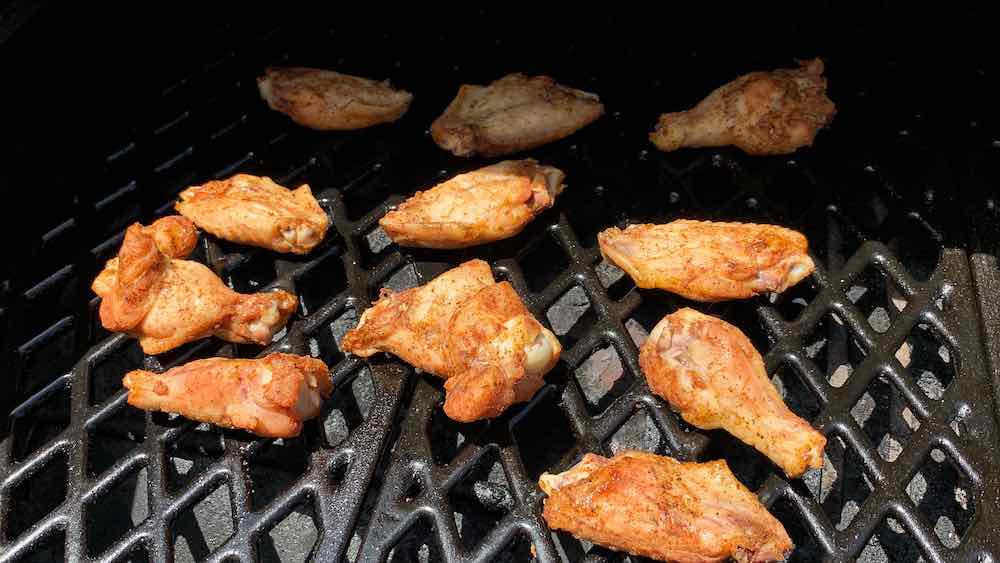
{"x":274,"y":468}
{"x":842,"y":485}
{"x":638,"y":432}
{"x":602,"y":378}
{"x":571,"y":316}
{"x":807,"y":548}
{"x":928,"y":360}
{"x":832,"y":346}
{"x":324,"y":341}
{"x":945,"y":497}
{"x":202,"y":528}
{"x":40,"y":424}
{"x":542,"y":434}
{"x":36,"y":496}
{"x":47,"y":355}
{"x":191,"y":453}
{"x":879,"y":299}
{"x":418,"y":545}
{"x":886,"y":417}
{"x":347,"y":408}
{"x":114,"y":438}
{"x":541,"y":261}
{"x":891,"y":542}
{"x":106,"y":374}
{"x":293,"y":539}
{"x":480,"y":500}
{"x":51,"y":548}
{"x":127,"y":499}
{"x":448,"y":437}
{"x":794,"y":390}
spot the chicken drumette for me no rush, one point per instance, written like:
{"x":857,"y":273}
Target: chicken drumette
{"x":270,"y":396}
{"x":710,"y":372}
{"x":327,"y":100}
{"x":512,"y":114}
{"x":256,"y":211}
{"x":468,"y":329}
{"x":485,"y":205}
{"x":707,"y":261}
{"x":658,"y":507}
{"x":762,"y":113}
{"x":148,"y":292}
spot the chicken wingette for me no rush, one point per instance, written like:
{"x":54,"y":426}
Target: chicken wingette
{"x":485,"y":205}
{"x":658,"y":507}
{"x":707,"y":261}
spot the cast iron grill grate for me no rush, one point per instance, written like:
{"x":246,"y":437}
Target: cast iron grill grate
{"x":882,"y":348}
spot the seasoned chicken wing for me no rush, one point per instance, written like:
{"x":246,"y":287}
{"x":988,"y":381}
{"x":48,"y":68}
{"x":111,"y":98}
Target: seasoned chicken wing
{"x":762,"y":113}
{"x":512,"y":114}
{"x":707,"y":261}
{"x":166,"y":302}
{"x":485,"y":205}
{"x":658,"y":507}
{"x":270,"y":396}
{"x":468,"y":329}
{"x":330,"y":101}
{"x":255,"y":211}
{"x":710,"y":372}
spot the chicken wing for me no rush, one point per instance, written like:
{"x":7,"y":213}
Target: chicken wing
{"x":658,"y":507}
{"x":255,"y":211}
{"x":485,"y":205}
{"x":707,"y":261}
{"x":512,"y":114}
{"x":710,"y":372}
{"x":166,"y":302}
{"x":330,"y":101}
{"x":468,"y":329}
{"x":270,"y":396}
{"x":762,"y":113}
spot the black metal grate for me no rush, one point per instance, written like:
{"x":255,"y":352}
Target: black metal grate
{"x":882,"y":349}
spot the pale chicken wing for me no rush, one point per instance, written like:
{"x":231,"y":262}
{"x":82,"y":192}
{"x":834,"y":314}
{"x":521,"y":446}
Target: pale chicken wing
{"x":468,"y":329}
{"x":331,"y":101}
{"x":710,"y":372}
{"x":489,"y":204}
{"x":167,"y":302}
{"x":256,"y":211}
{"x":658,"y":507}
{"x":512,"y":114}
{"x":707,"y":261}
{"x":270,"y":396}
{"x":762,"y":113}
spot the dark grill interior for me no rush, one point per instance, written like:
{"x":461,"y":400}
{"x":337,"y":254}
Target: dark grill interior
{"x":885,"y":348}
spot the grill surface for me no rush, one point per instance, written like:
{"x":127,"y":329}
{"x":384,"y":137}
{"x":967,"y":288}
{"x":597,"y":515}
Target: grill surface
{"x":883,"y":348}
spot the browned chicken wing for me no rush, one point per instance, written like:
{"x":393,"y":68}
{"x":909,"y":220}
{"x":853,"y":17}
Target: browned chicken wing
{"x":468,"y":329}
{"x":658,"y":507}
{"x":762,"y":113}
{"x":256,"y":211}
{"x":707,"y":261}
{"x":330,"y":101}
{"x":710,"y":372}
{"x":512,"y":114}
{"x":166,"y":302}
{"x":270,"y":396}
{"x":485,"y":205}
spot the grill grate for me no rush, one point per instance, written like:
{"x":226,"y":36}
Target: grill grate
{"x":881,"y":348}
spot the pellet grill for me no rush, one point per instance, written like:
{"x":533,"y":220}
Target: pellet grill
{"x":891,"y":348}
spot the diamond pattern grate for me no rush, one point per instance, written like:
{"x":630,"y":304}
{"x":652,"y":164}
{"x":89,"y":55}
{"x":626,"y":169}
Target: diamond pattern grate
{"x":881,"y":349}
